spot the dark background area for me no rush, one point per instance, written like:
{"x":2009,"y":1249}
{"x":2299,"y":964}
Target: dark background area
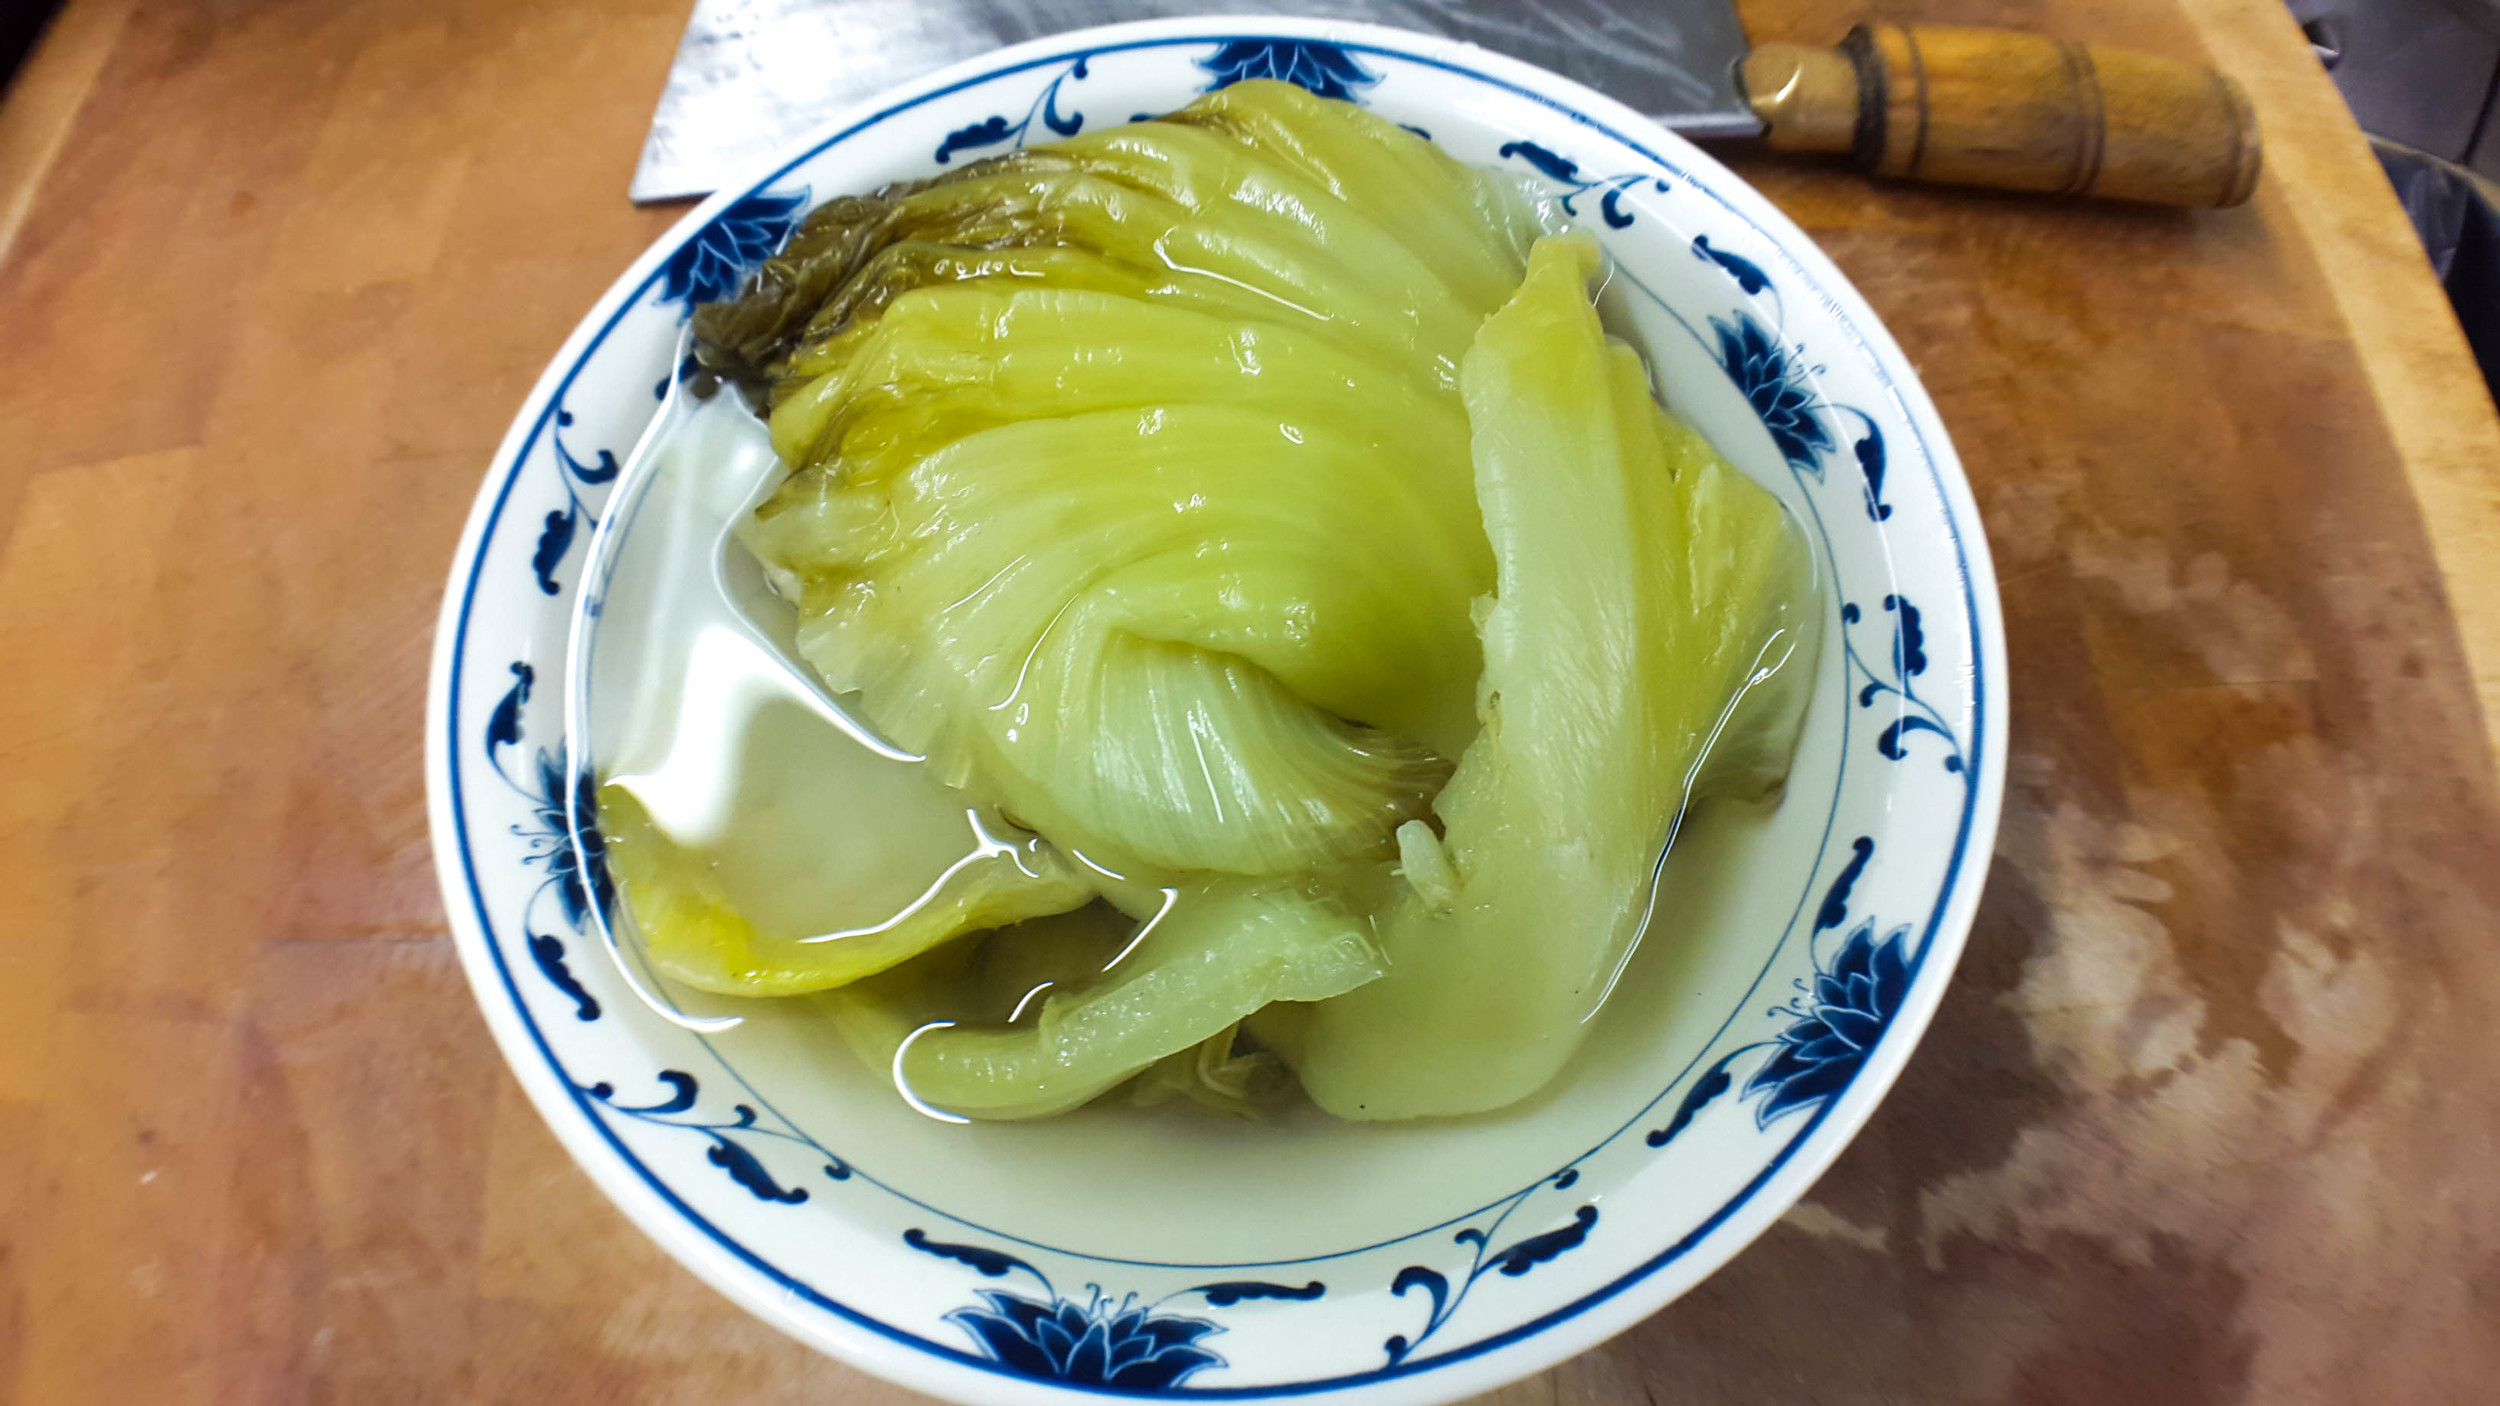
{"x":2417,"y":72}
{"x":20,"y":22}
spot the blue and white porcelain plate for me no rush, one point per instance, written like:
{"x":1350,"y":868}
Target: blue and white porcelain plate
{"x":1145,"y":1254}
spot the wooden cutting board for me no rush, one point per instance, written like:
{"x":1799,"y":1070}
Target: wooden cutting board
{"x":2212,"y":1112}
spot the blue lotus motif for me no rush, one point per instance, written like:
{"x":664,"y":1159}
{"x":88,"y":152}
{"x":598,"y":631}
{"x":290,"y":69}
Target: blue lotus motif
{"x":1775,"y":384}
{"x":1106,"y":1343}
{"x":1838,"y":1023}
{"x":573,"y":888}
{"x":1324,"y":69}
{"x":542,"y":785}
{"x":710,"y":266}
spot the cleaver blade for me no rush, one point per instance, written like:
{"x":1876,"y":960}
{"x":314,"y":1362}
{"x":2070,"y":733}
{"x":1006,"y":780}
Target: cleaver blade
{"x":752,"y":75}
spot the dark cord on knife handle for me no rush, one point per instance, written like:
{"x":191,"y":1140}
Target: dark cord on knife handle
{"x":1989,"y":107}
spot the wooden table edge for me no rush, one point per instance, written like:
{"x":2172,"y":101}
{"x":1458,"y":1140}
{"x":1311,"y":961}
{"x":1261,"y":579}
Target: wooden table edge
{"x":2430,"y":392}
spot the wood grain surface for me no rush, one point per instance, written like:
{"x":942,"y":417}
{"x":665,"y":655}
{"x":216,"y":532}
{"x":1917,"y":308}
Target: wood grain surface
{"x":2211,"y":1113}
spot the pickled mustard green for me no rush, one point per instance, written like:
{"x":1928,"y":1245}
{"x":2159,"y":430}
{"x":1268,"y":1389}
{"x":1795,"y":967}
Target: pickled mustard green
{"x":1250,"y":506}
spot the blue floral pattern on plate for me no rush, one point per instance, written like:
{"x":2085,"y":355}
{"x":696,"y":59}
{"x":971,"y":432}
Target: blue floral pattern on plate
{"x":712,"y":264}
{"x":1837,"y":1024}
{"x":1100,"y":1341}
{"x":1570,"y":185}
{"x":1769,"y":375}
{"x":996,"y":129}
{"x":1512,"y":1260}
{"x":578,"y":475}
{"x":708,"y":266}
{"x":1896,"y":673}
{"x":1325,"y":69}
{"x":1833,"y":1024}
{"x":728,"y":1151}
{"x":576,"y":886}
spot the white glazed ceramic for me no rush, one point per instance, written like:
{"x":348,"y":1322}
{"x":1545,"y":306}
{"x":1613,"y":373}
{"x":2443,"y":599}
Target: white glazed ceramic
{"x":1170,"y":1254}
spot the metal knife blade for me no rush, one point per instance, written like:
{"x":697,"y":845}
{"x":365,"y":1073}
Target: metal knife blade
{"x":750,"y":75}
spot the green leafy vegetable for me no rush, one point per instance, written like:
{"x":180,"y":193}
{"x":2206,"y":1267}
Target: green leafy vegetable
{"x":1134,"y":480}
{"x":695,"y":933}
{"x":1649,"y":598}
{"x":1193,"y":493}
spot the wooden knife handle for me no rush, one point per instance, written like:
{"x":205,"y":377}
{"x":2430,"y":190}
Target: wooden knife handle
{"x":1990,"y":107}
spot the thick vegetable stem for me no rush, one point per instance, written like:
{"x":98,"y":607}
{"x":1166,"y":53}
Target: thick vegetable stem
{"x":1216,"y":954}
